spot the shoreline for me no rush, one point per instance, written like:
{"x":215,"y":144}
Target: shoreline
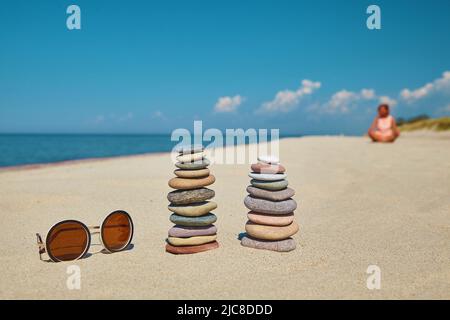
{"x":420,"y":134}
{"x":100,"y":159}
{"x":75,"y":161}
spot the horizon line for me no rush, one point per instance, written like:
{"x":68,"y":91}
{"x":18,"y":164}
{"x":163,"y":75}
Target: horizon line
{"x":110,"y":133}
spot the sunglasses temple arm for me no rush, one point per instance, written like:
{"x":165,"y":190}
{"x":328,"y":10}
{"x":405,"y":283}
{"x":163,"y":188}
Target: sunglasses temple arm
{"x":40,"y":244}
{"x":94,"y":229}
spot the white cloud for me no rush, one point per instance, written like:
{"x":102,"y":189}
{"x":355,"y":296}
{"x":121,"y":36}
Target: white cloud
{"x":158,"y":115}
{"x":286,"y":100}
{"x":387,"y":100}
{"x":343,"y":101}
{"x":368,"y":93}
{"x":125,"y":117}
{"x":438,"y":85}
{"x":99,"y":119}
{"x":444,"y":110}
{"x":228,"y":104}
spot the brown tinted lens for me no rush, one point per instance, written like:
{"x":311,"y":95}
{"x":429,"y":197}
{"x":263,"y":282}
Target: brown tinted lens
{"x":116,"y":231}
{"x":67,"y":241}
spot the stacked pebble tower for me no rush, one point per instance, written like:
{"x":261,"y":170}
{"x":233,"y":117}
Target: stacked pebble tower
{"x":194,"y":230}
{"x":271,"y":219}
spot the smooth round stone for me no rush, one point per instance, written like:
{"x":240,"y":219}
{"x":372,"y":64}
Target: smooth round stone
{"x":193,"y":165}
{"x":200,"y":173}
{"x":187,"y":184}
{"x":271,"y":195}
{"x":192,"y":249}
{"x":285,"y":245}
{"x":193,"y":209}
{"x":280,"y":220}
{"x":267,"y":176}
{"x":270,"y":185}
{"x":192,"y":241}
{"x":190,"y":157}
{"x":269,"y":159}
{"x":189,"y":149}
{"x":270,"y":207}
{"x":262,"y":167}
{"x":190,"y":196}
{"x":186,"y":232}
{"x":271,"y":232}
{"x":205,"y":220}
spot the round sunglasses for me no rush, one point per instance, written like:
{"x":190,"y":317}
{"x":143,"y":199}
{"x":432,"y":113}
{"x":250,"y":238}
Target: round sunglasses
{"x":70,"y":239}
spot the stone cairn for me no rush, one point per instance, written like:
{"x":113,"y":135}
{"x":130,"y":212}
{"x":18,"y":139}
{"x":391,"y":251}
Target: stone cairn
{"x":194,"y":230}
{"x":270,"y":222}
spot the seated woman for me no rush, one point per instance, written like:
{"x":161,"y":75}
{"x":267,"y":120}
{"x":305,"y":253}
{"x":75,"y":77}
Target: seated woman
{"x":384,"y":127}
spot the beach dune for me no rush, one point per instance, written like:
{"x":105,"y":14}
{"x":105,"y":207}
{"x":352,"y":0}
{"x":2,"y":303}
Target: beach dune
{"x":360,"y":204}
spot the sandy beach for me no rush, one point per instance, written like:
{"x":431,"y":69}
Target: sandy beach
{"x":360,"y":204}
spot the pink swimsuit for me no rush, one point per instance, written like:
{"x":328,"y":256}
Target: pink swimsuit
{"x":384,"y":125}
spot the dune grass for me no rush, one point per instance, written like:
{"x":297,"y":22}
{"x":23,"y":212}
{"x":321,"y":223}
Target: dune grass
{"x":439,"y":124}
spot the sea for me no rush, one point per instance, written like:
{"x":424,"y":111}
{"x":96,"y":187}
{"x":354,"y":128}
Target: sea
{"x":29,"y":149}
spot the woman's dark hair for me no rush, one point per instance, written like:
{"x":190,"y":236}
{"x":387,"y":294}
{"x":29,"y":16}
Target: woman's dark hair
{"x":384,"y":105}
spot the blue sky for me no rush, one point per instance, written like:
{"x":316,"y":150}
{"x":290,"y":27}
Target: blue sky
{"x":310,"y":67}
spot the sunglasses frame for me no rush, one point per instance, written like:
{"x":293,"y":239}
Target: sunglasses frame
{"x":91,"y":230}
